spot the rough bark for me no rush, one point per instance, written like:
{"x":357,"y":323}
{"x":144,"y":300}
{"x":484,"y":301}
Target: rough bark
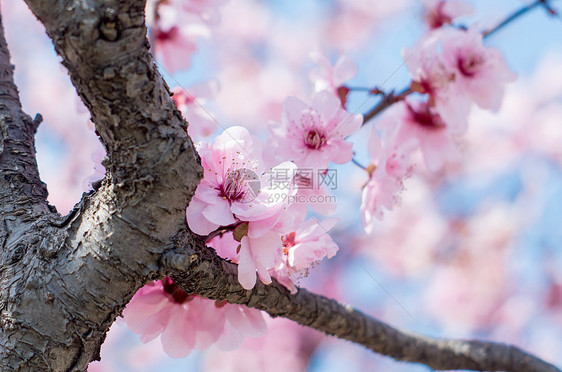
{"x":63,"y":280}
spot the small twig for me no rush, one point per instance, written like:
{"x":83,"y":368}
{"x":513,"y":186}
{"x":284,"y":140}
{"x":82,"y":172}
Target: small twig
{"x":360,"y":89}
{"x":388,"y":99}
{"x":36,"y":121}
{"x":354,"y":161}
{"x":513,"y":17}
{"x":220,"y":232}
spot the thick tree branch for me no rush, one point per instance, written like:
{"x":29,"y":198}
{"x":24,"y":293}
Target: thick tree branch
{"x":201,"y":271}
{"x":19,"y":180}
{"x":63,"y":281}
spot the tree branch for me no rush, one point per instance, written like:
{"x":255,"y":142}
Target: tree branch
{"x":201,"y":271}
{"x":518,"y":13}
{"x":70,"y":278}
{"x":63,"y":281}
{"x":388,"y":99}
{"x":20,"y":182}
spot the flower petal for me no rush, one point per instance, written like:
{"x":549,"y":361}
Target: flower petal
{"x":246,"y":265}
{"x":197,"y":223}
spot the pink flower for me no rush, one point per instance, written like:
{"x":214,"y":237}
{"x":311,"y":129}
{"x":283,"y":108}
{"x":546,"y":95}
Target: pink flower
{"x":455,"y":69}
{"x":432,"y":76}
{"x":440,"y":12}
{"x":391,"y":164}
{"x":310,"y":243}
{"x":311,"y":192}
{"x":225,"y":246}
{"x":380,"y":191}
{"x":260,"y":246}
{"x":260,"y":254}
{"x":263,"y":247}
{"x":332,"y":78}
{"x":231,"y":166}
{"x":417,"y":120}
{"x":351,"y":25}
{"x":235,"y":186}
{"x":158,"y":310}
{"x":480,"y":71}
{"x":191,"y":104}
{"x":175,"y":36}
{"x":253,"y":252}
{"x":226,"y":325}
{"x":313,"y":135}
{"x":254,"y":246}
{"x":206,"y":10}
{"x":185,"y":322}
{"x":287,"y":347}
{"x":175,"y":26}
{"x":236,"y":192}
{"x":304,"y":247}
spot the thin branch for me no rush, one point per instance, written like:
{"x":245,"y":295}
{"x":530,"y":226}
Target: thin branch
{"x":388,"y":99}
{"x":512,"y":17}
{"x":359,"y":89}
{"x":199,"y":270}
{"x":357,"y":163}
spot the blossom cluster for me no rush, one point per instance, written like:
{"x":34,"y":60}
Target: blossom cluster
{"x":187,"y":321}
{"x":175,"y":26}
{"x":451,"y":70}
{"x":240,"y":197}
{"x":249,"y":206}
{"x":249,"y":203}
{"x":191,"y":104}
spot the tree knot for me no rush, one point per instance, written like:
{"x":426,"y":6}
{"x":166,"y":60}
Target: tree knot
{"x":109,"y":25}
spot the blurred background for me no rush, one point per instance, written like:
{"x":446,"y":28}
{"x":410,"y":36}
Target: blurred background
{"x":474,"y":251}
